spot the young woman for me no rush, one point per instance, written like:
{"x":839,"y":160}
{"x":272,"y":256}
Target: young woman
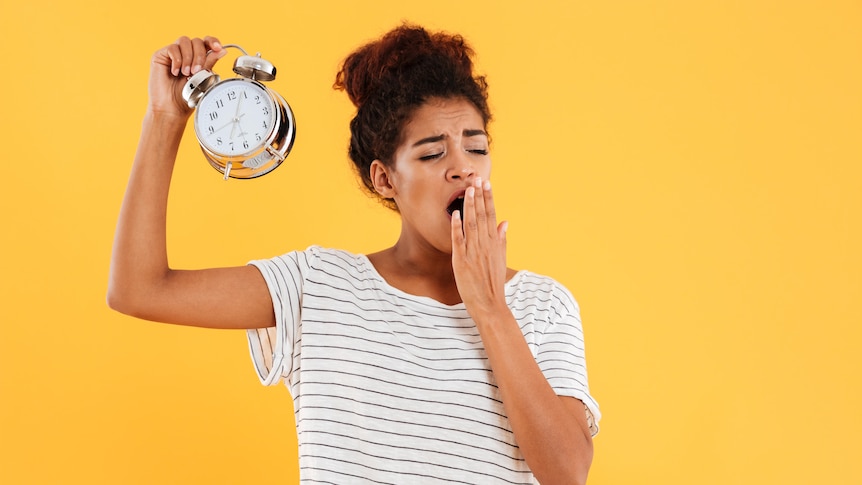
{"x":429,"y":361}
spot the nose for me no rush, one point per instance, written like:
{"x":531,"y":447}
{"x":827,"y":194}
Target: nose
{"x":462,"y":168}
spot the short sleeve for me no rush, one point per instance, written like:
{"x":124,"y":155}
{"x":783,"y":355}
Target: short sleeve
{"x":272,"y":348}
{"x":561,"y":355}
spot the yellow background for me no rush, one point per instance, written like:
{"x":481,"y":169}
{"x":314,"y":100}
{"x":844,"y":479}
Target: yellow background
{"x":690,"y":170}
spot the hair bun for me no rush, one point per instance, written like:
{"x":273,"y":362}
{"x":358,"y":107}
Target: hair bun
{"x":398,"y":59}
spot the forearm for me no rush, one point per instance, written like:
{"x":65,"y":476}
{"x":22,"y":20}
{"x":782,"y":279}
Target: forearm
{"x":139,"y":256}
{"x":547,"y":427}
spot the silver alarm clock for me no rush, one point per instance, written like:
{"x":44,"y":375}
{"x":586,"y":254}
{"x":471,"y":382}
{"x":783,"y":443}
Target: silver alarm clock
{"x":244,"y":128}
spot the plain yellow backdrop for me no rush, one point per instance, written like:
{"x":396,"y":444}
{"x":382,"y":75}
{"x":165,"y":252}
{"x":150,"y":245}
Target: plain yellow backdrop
{"x":691,"y":171}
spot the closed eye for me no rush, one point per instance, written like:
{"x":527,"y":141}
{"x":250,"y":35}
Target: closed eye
{"x":479,"y":151}
{"x":431,"y":157}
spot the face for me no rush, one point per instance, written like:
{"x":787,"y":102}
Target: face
{"x":444,"y":148}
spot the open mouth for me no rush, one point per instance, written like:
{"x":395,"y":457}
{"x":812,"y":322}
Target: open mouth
{"x":456,"y":205}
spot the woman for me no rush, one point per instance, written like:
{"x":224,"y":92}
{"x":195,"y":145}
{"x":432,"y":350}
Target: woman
{"x":427,"y":361}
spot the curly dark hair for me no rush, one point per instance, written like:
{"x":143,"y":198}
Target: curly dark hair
{"x":388,"y":79}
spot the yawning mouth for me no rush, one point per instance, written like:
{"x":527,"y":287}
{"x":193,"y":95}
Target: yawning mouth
{"x":456,"y":205}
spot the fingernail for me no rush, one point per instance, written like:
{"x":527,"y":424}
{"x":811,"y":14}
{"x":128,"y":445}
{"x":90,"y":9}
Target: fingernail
{"x":196,"y":68}
{"x":217,"y":45}
{"x":487,"y":185}
{"x":470,"y":191}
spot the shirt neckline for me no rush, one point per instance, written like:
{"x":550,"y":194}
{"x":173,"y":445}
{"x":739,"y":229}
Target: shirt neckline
{"x":369,"y":266}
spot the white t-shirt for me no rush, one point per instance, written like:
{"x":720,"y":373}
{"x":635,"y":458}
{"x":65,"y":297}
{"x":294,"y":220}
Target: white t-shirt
{"x":390,"y":387}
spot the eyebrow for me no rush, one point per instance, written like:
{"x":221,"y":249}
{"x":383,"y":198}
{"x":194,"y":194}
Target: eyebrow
{"x":436,"y":138}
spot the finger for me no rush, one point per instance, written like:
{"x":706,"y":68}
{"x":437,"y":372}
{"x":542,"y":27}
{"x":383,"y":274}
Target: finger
{"x":182,"y":61}
{"x":457,"y":232}
{"x":471,"y":228}
{"x":215,"y":51}
{"x":165,"y":56}
{"x":501,"y":231}
{"x":170,"y":56}
{"x":199,"y":55}
{"x":481,"y":216}
{"x":490,"y":210}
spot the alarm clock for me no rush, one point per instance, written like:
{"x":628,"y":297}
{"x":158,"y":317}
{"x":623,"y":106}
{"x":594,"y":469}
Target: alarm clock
{"x":244,"y":128}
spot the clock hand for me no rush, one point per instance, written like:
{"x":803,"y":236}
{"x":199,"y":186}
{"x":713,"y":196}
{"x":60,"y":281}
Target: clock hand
{"x":231,"y":122}
{"x":236,"y":115}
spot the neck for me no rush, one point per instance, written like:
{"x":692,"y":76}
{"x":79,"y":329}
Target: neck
{"x":420,"y":259}
{"x":417,"y":268}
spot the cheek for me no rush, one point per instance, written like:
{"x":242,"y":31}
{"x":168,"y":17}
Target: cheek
{"x":405,"y":189}
{"x":410,"y":185}
{"x":414,"y":193}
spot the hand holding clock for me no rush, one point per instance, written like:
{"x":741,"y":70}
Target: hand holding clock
{"x":172,"y":64}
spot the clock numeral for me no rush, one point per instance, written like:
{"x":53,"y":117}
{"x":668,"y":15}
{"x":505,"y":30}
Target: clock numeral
{"x":231,"y":95}
{"x":257,"y":137}
{"x":219,"y":103}
{"x":245,"y":144}
{"x":218,"y":141}
{"x":257,"y":100}
{"x":213,"y":115}
{"x":245,"y":95}
{"x":211,"y":129}
{"x":231,"y":146}
{"x":266,"y":110}
{"x":265,"y":127}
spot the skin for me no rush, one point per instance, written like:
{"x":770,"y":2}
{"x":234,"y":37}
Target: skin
{"x":457,"y":259}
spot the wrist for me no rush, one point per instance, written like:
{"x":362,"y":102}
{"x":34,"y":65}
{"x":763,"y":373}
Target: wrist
{"x":492,"y":315}
{"x":161,"y":135}
{"x":166,"y":119}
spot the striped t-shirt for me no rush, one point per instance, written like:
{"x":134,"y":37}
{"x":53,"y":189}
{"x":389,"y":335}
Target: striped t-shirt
{"x":395,"y":388}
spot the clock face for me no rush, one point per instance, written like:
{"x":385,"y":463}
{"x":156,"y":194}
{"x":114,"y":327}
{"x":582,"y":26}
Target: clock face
{"x":235,"y":117}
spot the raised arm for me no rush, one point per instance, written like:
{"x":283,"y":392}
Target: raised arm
{"x":141,"y":283}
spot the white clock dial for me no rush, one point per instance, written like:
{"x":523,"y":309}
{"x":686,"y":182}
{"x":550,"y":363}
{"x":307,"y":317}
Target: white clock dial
{"x":235,"y":118}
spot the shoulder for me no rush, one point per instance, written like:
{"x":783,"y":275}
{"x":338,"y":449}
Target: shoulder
{"x":314,"y":255}
{"x":314,"y":259}
{"x":318,"y":267}
{"x":538,"y":287}
{"x":329,"y":259}
{"x":332,"y":265}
